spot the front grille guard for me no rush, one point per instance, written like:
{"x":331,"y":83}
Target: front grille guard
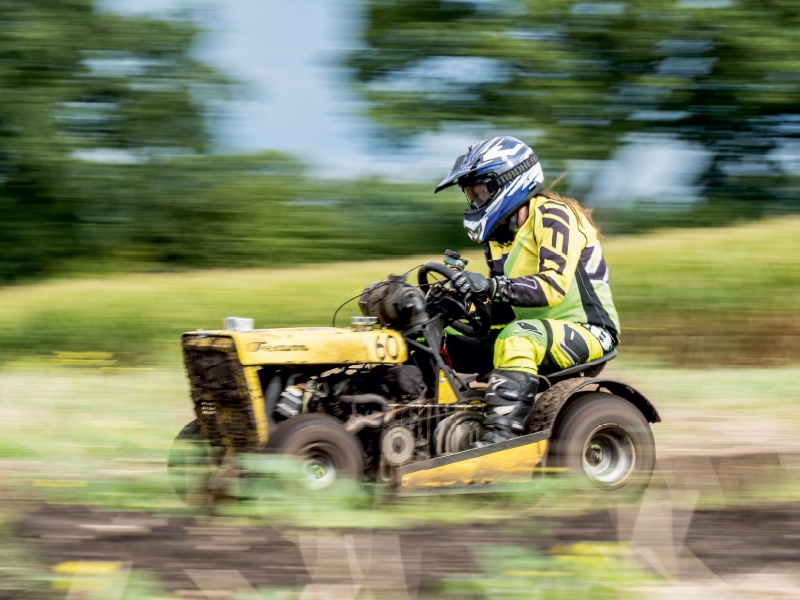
{"x":227,"y":396}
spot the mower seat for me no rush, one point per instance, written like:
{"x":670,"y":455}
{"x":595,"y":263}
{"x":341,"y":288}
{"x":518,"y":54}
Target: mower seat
{"x":589,"y":369}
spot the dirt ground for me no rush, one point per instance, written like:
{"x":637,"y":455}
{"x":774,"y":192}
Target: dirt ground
{"x":699,"y":552}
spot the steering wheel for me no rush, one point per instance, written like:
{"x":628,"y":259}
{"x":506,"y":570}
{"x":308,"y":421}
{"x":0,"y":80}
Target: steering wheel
{"x":474,"y":323}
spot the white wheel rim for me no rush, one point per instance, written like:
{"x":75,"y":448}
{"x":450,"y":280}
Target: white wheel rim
{"x":318,"y":467}
{"x":609,"y":456}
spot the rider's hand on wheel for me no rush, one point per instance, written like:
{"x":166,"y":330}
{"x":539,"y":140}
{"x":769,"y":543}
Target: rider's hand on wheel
{"x":472,"y":286}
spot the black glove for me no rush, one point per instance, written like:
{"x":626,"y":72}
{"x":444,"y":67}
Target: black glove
{"x":472,"y":286}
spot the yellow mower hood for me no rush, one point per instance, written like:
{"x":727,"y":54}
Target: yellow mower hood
{"x":306,"y":345}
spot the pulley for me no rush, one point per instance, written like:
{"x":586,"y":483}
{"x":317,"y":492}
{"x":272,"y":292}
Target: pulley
{"x":397,"y":446}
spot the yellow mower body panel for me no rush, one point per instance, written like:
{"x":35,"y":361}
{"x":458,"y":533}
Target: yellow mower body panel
{"x":445,"y":393}
{"x":310,"y":345}
{"x":513,"y":461}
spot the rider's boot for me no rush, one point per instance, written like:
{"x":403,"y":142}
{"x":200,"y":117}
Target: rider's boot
{"x":509,"y":398}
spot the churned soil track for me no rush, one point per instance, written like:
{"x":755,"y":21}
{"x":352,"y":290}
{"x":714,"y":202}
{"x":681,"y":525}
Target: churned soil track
{"x":732,"y":540}
{"x":263,"y":555}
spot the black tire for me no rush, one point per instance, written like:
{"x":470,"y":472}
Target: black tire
{"x":327,"y":451}
{"x":607,"y":440}
{"x":191,"y":465}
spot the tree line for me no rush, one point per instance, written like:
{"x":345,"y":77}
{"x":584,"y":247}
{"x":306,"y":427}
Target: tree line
{"x":581,"y":78}
{"x":107,"y":160}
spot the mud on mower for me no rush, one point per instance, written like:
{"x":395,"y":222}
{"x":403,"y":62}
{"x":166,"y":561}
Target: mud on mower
{"x":379,"y":400}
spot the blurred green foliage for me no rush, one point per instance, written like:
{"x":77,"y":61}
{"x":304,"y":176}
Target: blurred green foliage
{"x":581,"y":77}
{"x":246,"y":211}
{"x":77,"y":84}
{"x":106,"y":163}
{"x":593,"y":571}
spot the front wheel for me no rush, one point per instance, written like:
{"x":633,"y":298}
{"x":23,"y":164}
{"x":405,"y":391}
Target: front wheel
{"x":326,"y":451}
{"x":607,"y":440}
{"x":192,"y":465}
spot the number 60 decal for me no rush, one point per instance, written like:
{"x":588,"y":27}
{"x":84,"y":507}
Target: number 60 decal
{"x":386,"y":346}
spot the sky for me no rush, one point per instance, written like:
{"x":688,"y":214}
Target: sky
{"x":295,"y":98}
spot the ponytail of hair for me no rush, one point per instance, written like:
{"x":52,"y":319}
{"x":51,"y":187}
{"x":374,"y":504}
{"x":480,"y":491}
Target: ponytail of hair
{"x":586,"y":212}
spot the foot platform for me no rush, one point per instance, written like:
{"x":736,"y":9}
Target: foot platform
{"x":512,"y":461}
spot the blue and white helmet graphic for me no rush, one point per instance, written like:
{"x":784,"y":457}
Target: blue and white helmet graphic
{"x":511,"y":171}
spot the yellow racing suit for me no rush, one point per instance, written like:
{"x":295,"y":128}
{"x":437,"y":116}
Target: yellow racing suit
{"x":555,"y":280}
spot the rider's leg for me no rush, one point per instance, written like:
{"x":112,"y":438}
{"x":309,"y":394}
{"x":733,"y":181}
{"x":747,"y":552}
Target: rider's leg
{"x":546,"y":344}
{"x":521,"y":348}
{"x":509,"y":398}
{"x":514,"y":381}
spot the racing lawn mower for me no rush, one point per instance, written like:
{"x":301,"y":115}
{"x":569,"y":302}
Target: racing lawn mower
{"x":379,"y":400}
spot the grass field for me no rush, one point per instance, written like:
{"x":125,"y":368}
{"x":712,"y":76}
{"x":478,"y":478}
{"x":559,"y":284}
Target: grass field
{"x":712,"y":296}
{"x":92,"y":392}
{"x":92,"y":389}
{"x":722,"y":296}
{"x":89,"y":435}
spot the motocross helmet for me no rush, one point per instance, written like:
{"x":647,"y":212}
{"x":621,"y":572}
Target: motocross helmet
{"x":511,"y":172}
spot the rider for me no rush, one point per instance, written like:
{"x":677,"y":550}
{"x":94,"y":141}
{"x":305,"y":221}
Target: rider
{"x":548,"y":280}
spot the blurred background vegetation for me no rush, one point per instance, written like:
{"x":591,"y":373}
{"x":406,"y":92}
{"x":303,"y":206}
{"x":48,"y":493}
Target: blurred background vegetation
{"x":584,"y":78}
{"x":106,"y":161}
{"x":108,"y":166}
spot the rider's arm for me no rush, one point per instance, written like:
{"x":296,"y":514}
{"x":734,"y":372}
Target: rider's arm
{"x":500,"y":312}
{"x":545,"y":266}
{"x":493,"y":252}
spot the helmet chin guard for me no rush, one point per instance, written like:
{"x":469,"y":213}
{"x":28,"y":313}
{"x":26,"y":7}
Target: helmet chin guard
{"x":510,"y":170}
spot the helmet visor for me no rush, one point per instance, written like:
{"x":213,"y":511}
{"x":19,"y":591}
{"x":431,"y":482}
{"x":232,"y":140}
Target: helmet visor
{"x":478,"y":195}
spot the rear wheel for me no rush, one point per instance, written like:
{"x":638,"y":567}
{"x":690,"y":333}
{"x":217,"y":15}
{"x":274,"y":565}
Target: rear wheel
{"x":326,"y":450}
{"x":607,"y":440}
